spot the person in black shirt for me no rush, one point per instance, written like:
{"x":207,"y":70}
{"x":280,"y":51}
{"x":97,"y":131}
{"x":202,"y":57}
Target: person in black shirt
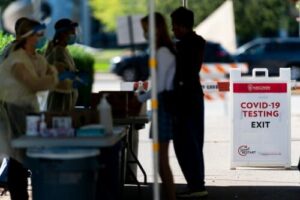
{"x":189,"y":125}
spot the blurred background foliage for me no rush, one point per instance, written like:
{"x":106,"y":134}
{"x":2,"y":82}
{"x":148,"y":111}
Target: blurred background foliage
{"x":84,"y":62}
{"x":4,"y":40}
{"x":253,"y":17}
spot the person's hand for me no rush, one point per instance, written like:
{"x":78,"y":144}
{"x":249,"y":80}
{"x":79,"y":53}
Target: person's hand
{"x":77,"y":83}
{"x":66,"y":75}
{"x":140,"y":86}
{"x":51,"y":70}
{"x":140,"y":97}
{"x":81,"y":79}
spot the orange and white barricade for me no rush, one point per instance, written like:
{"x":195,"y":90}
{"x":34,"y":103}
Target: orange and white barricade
{"x":212,"y":73}
{"x":211,"y":91}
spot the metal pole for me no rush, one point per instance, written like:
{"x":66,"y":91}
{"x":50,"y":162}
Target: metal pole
{"x":298,"y":19}
{"x":185,"y":3}
{"x":154,"y":102}
{"x":36,"y":4}
{"x":86,"y":25}
{"x":130,"y":31}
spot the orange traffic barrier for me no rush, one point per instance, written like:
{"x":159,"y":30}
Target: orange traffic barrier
{"x":209,"y":70}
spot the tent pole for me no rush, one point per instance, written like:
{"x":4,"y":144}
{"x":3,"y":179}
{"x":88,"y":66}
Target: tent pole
{"x":185,"y":3}
{"x":154,"y":102}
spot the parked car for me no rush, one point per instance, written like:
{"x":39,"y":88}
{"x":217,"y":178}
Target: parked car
{"x":271,"y":53}
{"x":131,"y":67}
{"x":135,"y":67}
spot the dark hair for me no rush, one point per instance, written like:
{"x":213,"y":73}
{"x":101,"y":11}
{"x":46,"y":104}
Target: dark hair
{"x":162,"y":35}
{"x":64,"y":25}
{"x":183,"y":17}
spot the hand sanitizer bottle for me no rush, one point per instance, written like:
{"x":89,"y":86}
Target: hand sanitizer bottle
{"x":105,"y":115}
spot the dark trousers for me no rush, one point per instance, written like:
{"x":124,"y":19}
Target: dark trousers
{"x":17,"y":181}
{"x":188,"y":144}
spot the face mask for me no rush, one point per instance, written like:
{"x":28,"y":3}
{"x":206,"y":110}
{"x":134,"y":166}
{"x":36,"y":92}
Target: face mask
{"x":71,"y":39}
{"x":41,"y":42}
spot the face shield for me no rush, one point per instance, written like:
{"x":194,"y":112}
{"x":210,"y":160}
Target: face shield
{"x":39,"y":30}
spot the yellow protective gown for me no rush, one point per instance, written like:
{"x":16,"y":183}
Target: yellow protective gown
{"x":21,"y":77}
{"x":64,"y":96}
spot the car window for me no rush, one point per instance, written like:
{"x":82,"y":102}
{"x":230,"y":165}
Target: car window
{"x":291,"y":46}
{"x":214,"y":52}
{"x":209,"y":53}
{"x":273,"y":47}
{"x":256,"y":49}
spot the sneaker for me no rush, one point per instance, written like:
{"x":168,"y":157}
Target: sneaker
{"x":192,"y":194}
{"x":4,"y":176}
{"x":4,"y":171}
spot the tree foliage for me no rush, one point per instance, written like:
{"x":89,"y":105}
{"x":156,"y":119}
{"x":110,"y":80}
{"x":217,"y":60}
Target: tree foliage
{"x":262,"y":18}
{"x":108,"y":11}
{"x":4,"y":3}
{"x":5,"y":39}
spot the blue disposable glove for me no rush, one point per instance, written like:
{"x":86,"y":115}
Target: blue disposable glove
{"x":66,"y":75}
{"x":81,"y":79}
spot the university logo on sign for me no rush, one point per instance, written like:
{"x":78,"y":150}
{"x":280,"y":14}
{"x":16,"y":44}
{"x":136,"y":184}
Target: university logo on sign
{"x":260,"y":88}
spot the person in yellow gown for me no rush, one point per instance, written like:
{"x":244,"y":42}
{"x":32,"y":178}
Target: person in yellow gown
{"x":64,"y":96}
{"x":22,"y":74}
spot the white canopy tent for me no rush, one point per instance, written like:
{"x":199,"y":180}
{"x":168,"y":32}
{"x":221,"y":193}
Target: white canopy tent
{"x":31,"y":8}
{"x":220,"y":26}
{"x":14,"y":11}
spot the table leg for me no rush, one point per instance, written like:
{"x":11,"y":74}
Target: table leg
{"x":133,"y":155}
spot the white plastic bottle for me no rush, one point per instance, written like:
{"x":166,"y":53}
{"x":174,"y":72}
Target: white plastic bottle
{"x":106,"y":115}
{"x":43,"y":126}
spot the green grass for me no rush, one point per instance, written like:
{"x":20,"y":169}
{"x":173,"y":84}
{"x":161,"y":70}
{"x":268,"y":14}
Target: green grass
{"x":101,"y":66}
{"x":103,"y":57}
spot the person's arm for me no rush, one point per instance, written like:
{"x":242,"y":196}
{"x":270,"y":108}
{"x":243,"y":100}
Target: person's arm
{"x":51,"y":70}
{"x":57,"y":59}
{"x":60,"y":67}
{"x":32,"y":82}
{"x":143,"y":97}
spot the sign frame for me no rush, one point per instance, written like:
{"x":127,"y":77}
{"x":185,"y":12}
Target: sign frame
{"x":260,"y":119}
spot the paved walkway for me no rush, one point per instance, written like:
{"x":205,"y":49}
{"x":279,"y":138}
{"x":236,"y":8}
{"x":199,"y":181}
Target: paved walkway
{"x":242,"y":183}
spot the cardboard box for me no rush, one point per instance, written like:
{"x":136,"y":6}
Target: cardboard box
{"x":123,"y":103}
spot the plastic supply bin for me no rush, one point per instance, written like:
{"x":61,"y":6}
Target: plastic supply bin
{"x":111,"y":173}
{"x":63,"y":174}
